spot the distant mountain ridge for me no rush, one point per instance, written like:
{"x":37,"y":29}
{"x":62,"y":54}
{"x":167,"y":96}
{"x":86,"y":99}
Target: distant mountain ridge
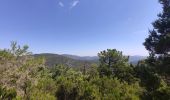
{"x":131,"y":58}
{"x":88,"y":58}
{"x":135,"y":59}
{"x":53,"y":59}
{"x":78,"y":61}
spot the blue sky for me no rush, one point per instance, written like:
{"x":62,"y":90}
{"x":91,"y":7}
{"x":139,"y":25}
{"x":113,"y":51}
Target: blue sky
{"x":81,"y":27}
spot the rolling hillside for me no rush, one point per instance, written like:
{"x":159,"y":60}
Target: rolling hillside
{"x":77,"y":61}
{"x":53,"y":59}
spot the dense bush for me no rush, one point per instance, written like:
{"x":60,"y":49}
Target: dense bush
{"x":28,"y":78}
{"x":7,"y":93}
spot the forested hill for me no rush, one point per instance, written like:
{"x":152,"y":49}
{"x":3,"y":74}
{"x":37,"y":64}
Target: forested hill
{"x":132,"y":59}
{"x":53,"y":59}
{"x":87,"y":58}
{"x":77,"y":61}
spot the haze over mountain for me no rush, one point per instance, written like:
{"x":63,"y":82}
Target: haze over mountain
{"x":88,"y":58}
{"x":93,"y":58}
{"x":136,"y":58}
{"x":78,"y":61}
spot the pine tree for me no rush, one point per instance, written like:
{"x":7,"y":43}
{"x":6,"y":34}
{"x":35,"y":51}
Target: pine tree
{"x":158,"y":42}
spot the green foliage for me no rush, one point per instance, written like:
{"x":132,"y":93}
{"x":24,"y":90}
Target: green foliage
{"x":155,"y":71}
{"x":28,"y":78}
{"x":5,"y":55}
{"x":93,"y":72}
{"x":111,"y":58}
{"x":46,"y":84}
{"x":39,"y":95}
{"x":17,"y":50}
{"x":55,"y":59}
{"x":73,"y":85}
{"x":148,"y":78}
{"x":162,"y":94}
{"x":113,"y":63}
{"x":159,"y":39}
{"x":7,"y":94}
{"x":153,"y":83}
{"x":114,"y":89}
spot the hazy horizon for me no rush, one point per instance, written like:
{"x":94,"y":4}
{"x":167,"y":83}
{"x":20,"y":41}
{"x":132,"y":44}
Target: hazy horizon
{"x":83,"y":55}
{"x":78,"y":27}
